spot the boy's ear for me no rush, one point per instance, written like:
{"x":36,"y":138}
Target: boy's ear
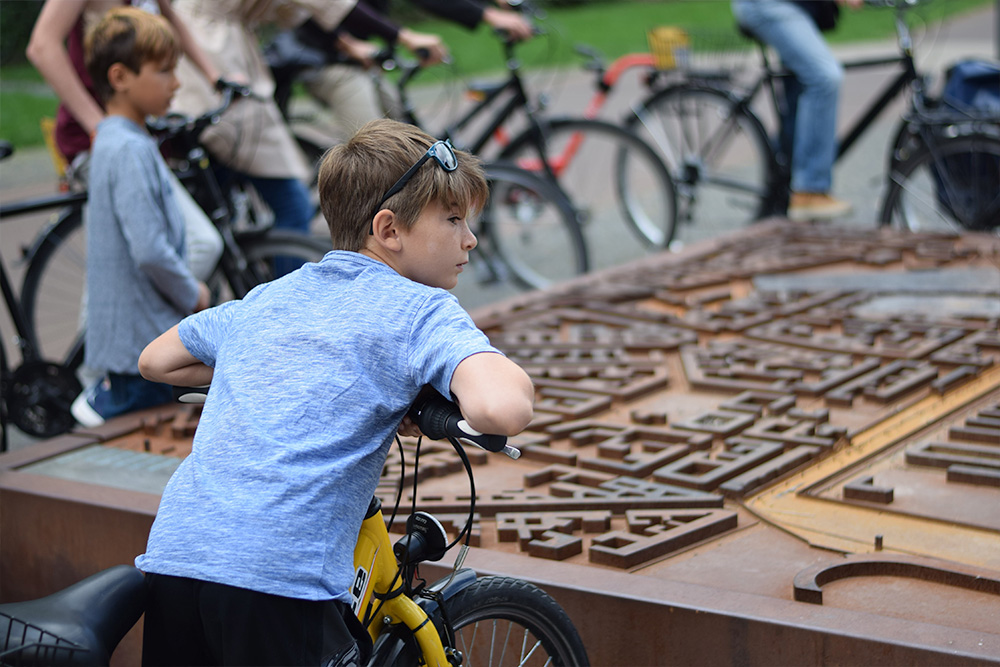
{"x":119,"y":76}
{"x":385,"y":229}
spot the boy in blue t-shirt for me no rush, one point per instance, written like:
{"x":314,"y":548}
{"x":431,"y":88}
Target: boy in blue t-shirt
{"x":251,"y":553}
{"x":138,"y":283}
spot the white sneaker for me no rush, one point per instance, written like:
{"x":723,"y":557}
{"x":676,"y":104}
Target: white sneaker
{"x":83,"y":412}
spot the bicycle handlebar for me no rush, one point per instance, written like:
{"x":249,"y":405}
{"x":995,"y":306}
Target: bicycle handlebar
{"x":174,"y":124}
{"x":437,"y":417}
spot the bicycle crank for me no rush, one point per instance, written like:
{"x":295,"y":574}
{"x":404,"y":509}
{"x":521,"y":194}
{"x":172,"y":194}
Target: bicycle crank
{"x":39,"y":398}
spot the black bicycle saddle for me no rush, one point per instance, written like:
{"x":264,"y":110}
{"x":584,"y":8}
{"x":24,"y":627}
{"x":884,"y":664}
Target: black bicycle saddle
{"x":79,"y":625}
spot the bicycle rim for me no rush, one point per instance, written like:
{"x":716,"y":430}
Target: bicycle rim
{"x":52,"y":293}
{"x":947,"y":185}
{"x":529,"y":226}
{"x":500,"y":621}
{"x":719,"y":155}
{"x":619,"y":186}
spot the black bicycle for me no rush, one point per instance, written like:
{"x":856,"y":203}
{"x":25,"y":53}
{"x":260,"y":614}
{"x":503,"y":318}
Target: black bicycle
{"x":730,"y":169}
{"x":615,"y":179}
{"x":528,"y":232}
{"x":51,"y":305}
{"x":36,"y":393}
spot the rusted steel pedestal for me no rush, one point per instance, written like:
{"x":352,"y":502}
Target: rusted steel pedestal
{"x":778,"y":448}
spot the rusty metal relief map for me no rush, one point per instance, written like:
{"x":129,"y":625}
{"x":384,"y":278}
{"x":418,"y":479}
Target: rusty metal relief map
{"x":820,"y":386}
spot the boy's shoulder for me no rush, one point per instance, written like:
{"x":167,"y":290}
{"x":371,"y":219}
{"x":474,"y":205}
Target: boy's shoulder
{"x":121,"y":144}
{"x":117,"y":131}
{"x":386,"y":291}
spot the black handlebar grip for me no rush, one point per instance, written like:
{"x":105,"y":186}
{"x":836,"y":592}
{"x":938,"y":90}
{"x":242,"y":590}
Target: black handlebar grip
{"x":437,"y":418}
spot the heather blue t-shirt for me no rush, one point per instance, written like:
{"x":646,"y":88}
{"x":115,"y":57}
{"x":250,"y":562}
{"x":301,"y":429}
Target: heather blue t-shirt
{"x":313,"y":373}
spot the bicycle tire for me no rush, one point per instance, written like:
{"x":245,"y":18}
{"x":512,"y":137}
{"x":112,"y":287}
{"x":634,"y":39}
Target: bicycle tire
{"x":52,"y":290}
{"x":613,"y":178}
{"x":500,"y":621}
{"x":717,"y":151}
{"x":530,"y":227}
{"x":948,"y":184}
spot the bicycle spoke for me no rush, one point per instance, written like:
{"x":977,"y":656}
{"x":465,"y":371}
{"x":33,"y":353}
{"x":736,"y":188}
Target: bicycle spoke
{"x":499,"y":644}
{"x":949,"y":185}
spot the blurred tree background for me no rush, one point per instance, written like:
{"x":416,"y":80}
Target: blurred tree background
{"x":16,"y":19}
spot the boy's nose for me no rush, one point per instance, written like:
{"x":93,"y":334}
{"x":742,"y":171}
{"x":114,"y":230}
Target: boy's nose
{"x":470,"y":241}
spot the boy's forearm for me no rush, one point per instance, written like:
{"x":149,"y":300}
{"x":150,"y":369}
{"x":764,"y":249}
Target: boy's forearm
{"x":167,"y":360}
{"x":494,"y":394}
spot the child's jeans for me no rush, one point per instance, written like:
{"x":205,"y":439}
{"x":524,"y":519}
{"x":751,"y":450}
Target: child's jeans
{"x":117,"y":394}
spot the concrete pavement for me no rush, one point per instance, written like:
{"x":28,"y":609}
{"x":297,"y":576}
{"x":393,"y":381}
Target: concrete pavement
{"x":858,"y":177}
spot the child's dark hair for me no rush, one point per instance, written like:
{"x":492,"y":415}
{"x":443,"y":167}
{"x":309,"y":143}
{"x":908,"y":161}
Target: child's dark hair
{"x":356,"y":174}
{"x":131,"y":37}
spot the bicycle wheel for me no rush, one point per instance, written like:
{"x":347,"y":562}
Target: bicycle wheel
{"x":53,"y":288}
{"x":504,"y":621}
{"x":528,"y":231}
{"x":717,"y":151}
{"x":947,"y":184}
{"x":614,"y":179}
{"x":260,"y":250}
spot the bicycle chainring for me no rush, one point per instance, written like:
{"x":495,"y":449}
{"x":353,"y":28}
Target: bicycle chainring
{"x":39,"y":398}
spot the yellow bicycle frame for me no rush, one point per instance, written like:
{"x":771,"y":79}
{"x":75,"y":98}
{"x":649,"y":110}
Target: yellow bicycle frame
{"x":375,"y":570}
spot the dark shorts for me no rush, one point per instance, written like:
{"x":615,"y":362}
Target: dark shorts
{"x":192,"y":622}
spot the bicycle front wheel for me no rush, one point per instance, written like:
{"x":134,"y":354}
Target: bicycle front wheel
{"x":614,"y":179}
{"x":52,"y":292}
{"x":718,"y":153}
{"x":946,"y":185}
{"x":529,"y":230}
{"x":504,"y":621}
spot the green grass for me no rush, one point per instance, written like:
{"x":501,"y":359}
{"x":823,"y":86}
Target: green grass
{"x":613,"y":28}
{"x":616,"y":28}
{"x":24,"y":99}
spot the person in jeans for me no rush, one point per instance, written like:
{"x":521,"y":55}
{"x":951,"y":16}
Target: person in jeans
{"x":138,"y":282}
{"x":251,"y":557}
{"x":793,"y":29}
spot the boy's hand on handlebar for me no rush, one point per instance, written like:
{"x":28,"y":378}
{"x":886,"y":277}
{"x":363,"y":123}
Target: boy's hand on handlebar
{"x":358,"y":50}
{"x":513,"y":25}
{"x":408,"y":428}
{"x":430,"y":49}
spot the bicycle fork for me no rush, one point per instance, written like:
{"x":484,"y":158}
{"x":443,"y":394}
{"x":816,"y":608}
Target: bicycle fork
{"x":378,"y":598}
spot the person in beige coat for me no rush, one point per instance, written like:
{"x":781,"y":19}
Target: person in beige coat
{"x":251,"y":138}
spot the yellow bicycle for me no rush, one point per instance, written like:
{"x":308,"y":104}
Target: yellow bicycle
{"x":460,"y":620}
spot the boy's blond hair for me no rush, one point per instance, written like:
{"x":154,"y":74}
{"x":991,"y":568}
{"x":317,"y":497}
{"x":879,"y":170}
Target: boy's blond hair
{"x":131,"y":37}
{"x":355,"y":175}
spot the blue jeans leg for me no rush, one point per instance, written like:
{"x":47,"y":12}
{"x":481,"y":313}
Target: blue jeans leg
{"x":791,"y":32}
{"x":122,"y":393}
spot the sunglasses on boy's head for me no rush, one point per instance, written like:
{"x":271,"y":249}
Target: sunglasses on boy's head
{"x":443,"y":154}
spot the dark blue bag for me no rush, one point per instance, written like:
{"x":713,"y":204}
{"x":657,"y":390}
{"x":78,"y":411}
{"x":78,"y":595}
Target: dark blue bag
{"x":971,"y":92}
{"x":973,"y":86}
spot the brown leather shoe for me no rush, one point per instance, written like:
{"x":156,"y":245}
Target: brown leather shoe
{"x":803,"y":206}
